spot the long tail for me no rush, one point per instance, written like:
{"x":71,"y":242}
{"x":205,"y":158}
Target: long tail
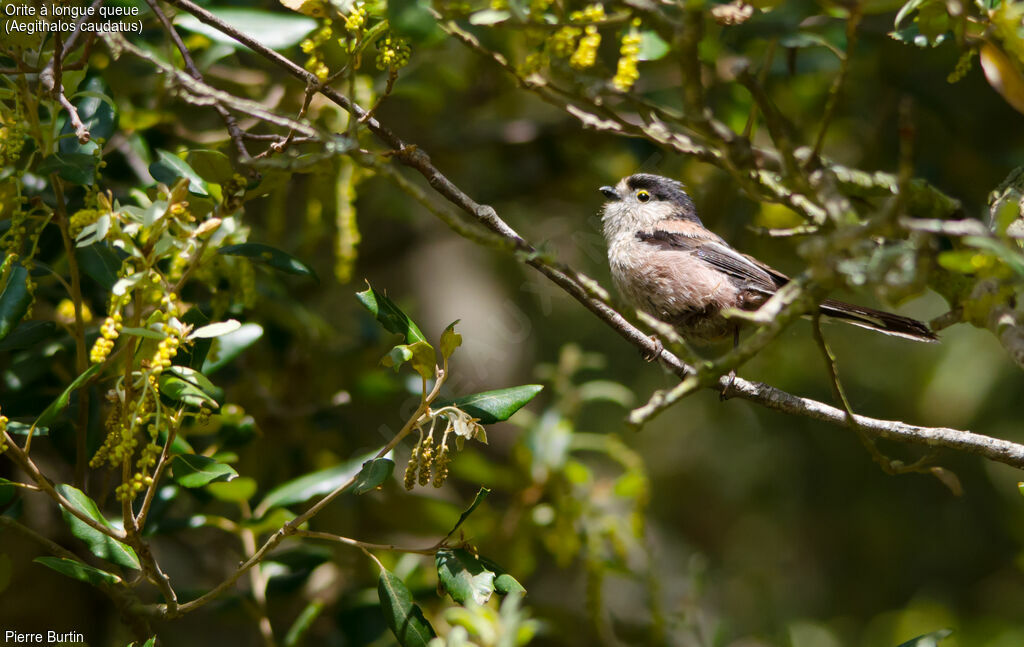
{"x":884,"y":322}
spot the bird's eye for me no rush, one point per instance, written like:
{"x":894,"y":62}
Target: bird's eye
{"x":643,"y":196}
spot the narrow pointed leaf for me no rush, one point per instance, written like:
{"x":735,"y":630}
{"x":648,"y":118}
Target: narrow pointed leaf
{"x":404,"y":617}
{"x":481,"y":494}
{"x":78,"y":570}
{"x":14,"y":300}
{"x":168,"y":167}
{"x":57,"y":406}
{"x":271,"y":256}
{"x":194,"y":471}
{"x":313,"y":484}
{"x":494,"y":406}
{"x":389,"y":315}
{"x":929,"y":639}
{"x":99,"y":544}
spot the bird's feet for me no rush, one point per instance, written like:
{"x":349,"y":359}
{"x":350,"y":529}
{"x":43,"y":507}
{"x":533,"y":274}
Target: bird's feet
{"x":724,"y":395}
{"x":650,"y":356}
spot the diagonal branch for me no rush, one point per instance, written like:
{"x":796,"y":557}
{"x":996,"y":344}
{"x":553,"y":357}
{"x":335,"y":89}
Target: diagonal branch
{"x":765,"y":395}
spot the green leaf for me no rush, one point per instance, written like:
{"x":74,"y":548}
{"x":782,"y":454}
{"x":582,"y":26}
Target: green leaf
{"x":906,"y":9}
{"x":481,"y":494}
{"x":494,"y":406}
{"x":196,"y":379}
{"x":15,"y":299}
{"x":302,"y":623}
{"x":100,"y":263}
{"x":273,"y":29}
{"x":450,"y":340}
{"x":228,"y":347}
{"x":215,"y":329}
{"x":96,"y":109}
{"x":928,"y":640}
{"x":99,"y":544}
{"x":240,"y":489}
{"x":77,"y":168}
{"x":269,"y":522}
{"x":57,"y":406}
{"x":313,"y":484}
{"x":78,"y":570}
{"x":420,"y":355}
{"x":194,"y":471}
{"x":168,"y":167}
{"x":652,"y":46}
{"x":271,"y":256}
{"x":212,"y":166}
{"x":489,"y":17}
{"x":389,"y":315}
{"x":404,"y":617}
{"x":16,"y":428}
{"x":463,"y":576}
{"x":505,"y":584}
{"x":143,"y":332}
{"x":28,"y":334}
{"x":373,"y":474}
{"x":412,"y":19}
{"x":179,"y":390}
{"x":397,"y":356}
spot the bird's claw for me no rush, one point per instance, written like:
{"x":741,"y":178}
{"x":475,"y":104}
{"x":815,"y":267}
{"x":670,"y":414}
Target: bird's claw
{"x":724,"y":395}
{"x":650,"y":356}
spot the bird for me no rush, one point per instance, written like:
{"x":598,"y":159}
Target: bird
{"x":664,"y":261}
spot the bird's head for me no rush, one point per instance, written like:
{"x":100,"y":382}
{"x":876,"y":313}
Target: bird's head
{"x":642,"y":200}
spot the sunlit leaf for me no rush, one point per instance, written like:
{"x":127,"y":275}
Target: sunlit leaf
{"x":168,"y":167}
{"x":389,"y":315}
{"x":215,"y":329}
{"x":228,"y":347}
{"x":929,"y":639}
{"x":494,"y":406}
{"x":463,"y":576}
{"x":450,"y":340}
{"x":373,"y":474}
{"x":1003,"y":75}
{"x":242,"y":488}
{"x":276,"y":30}
{"x":194,"y":471}
{"x":101,"y":545}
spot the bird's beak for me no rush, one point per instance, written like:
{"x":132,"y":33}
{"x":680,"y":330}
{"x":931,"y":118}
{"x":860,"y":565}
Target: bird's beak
{"x":610,"y":193}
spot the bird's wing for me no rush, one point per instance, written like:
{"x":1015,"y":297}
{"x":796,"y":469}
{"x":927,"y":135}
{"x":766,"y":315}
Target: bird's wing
{"x":745,"y":271}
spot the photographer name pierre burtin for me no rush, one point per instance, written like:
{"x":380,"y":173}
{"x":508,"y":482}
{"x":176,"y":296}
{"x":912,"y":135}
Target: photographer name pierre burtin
{"x":13,"y":637}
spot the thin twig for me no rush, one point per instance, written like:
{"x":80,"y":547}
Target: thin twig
{"x":312,"y":534}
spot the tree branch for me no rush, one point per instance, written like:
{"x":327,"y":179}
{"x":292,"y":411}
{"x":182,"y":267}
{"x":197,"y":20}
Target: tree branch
{"x":770,"y":397}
